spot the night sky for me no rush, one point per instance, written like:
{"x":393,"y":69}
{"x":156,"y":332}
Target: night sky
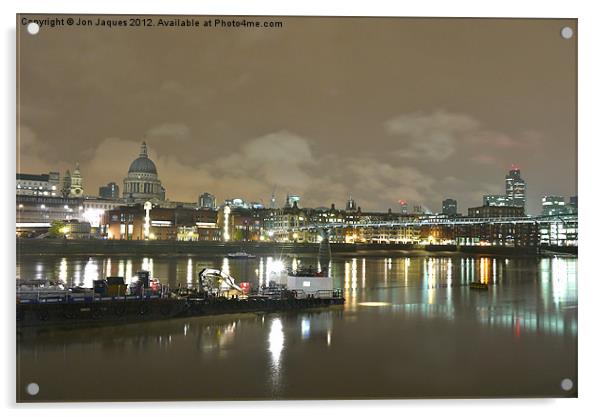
{"x":382,"y":109}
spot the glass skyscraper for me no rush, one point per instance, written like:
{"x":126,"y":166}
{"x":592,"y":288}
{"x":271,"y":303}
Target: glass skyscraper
{"x":515,"y":188}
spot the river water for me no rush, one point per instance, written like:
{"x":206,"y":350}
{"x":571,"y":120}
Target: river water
{"x":410,"y":328}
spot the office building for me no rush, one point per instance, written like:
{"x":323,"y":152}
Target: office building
{"x":553,"y":205}
{"x":516,"y":188}
{"x":109,"y":191}
{"x":207,"y":201}
{"x":496,"y":200}
{"x":496,"y":211}
{"x":450,"y":207}
{"x":42,"y":184}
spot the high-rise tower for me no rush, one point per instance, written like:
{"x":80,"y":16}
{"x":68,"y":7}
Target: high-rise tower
{"x":516,"y":188}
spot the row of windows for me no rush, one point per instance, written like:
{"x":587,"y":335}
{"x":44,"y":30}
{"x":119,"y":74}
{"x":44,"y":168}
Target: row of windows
{"x":37,"y":186}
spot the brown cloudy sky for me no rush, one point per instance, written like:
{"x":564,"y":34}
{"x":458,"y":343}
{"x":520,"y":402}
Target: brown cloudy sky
{"x":382,"y":109}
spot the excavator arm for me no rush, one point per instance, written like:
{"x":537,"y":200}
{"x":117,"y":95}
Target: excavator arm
{"x":211,"y":279}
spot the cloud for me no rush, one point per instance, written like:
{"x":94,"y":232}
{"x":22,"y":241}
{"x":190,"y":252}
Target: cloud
{"x":432,"y":136}
{"x":438,"y":135}
{"x":484,"y":159}
{"x":282,"y":160}
{"x":288,"y":162}
{"x":173,"y":131}
{"x":32,"y":153}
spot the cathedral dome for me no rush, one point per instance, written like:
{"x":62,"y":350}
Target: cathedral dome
{"x":143,"y":164}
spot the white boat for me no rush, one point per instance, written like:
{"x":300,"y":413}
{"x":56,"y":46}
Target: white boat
{"x":240,"y":255}
{"x":309,"y":283}
{"x":301,"y":282}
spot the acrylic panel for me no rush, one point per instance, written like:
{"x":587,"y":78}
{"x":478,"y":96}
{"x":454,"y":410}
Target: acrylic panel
{"x":267,"y":208}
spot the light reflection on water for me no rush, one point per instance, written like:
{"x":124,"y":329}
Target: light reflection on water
{"x":434,"y":281}
{"x":527,"y":297}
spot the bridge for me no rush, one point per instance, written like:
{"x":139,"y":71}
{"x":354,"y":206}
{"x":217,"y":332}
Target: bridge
{"x":445,"y":221}
{"x":557,"y":230}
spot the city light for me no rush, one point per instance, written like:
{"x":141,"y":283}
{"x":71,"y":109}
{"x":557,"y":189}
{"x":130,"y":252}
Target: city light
{"x":226,"y":234}
{"x":374,"y":304}
{"x":147,"y":208}
{"x":93,"y":216}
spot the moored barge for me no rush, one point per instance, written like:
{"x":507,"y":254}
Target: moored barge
{"x":110,"y":302}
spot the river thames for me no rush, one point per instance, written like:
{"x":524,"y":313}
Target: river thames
{"x":410,"y":328}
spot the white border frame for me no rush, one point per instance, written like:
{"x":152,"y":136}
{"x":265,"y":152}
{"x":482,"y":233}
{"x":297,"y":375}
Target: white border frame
{"x":590,"y":69}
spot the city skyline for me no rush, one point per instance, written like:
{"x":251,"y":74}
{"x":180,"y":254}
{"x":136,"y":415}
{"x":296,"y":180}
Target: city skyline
{"x":429,"y":114}
{"x":66,"y":179}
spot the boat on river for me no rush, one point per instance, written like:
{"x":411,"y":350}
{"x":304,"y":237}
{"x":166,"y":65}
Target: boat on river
{"x":240,"y":255}
{"x":479,"y":286}
{"x":112,"y":301}
{"x":302,"y":282}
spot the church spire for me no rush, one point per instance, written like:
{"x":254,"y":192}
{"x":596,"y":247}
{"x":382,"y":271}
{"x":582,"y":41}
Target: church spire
{"x":143,"y":150}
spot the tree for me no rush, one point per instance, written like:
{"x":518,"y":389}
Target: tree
{"x":237,"y":235}
{"x":57,"y":229}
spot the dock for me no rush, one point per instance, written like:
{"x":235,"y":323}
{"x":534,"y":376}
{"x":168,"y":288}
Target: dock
{"x":134,"y":309}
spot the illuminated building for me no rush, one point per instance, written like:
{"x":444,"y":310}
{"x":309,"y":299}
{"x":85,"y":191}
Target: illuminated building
{"x":110,"y":191}
{"x":559,"y":233}
{"x":142,"y":182}
{"x":176,"y":204}
{"x":74,"y":229}
{"x":281,"y":222}
{"x":94,"y":209}
{"x":242,"y":223}
{"x":351,"y":205}
{"x":291,"y":200}
{"x":66,"y":186}
{"x":516,"y":188}
{"x":449,"y":207}
{"x":43,"y":184}
{"x":237,"y":203}
{"x":496,"y":211}
{"x":573,"y":204}
{"x":403,"y":207}
{"x":552,"y":205}
{"x":496,"y":200}
{"x":38,"y":209}
{"x":180,"y":223}
{"x":273,"y":201}
{"x":207,"y":200}
{"x":76,"y":187}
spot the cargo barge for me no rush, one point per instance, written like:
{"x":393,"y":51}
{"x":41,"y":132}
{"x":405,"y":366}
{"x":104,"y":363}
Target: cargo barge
{"x":110,"y":302}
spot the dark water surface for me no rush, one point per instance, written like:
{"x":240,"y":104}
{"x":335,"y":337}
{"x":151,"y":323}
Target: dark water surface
{"x":411,"y":327}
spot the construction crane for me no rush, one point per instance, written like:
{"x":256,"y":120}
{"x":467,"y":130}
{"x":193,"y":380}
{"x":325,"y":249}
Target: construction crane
{"x":215,"y":281}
